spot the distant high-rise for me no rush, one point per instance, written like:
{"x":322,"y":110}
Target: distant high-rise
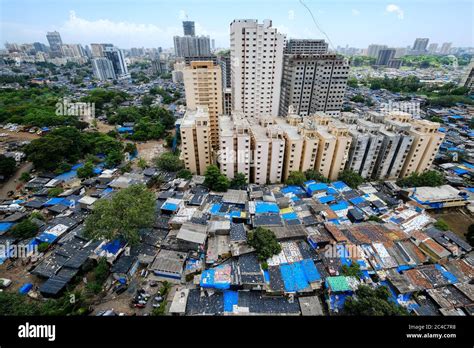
{"x":55,"y":42}
{"x":468,"y":79}
{"x":445,"y":48}
{"x":373,"y":50}
{"x":432,"y":48}
{"x":192,"y":46}
{"x":256,"y":59}
{"x":103,"y":69}
{"x":385,"y":56}
{"x":302,"y":46}
{"x":188,"y":28}
{"x":420,"y":45}
{"x":117,"y":58}
{"x":39,"y":47}
{"x":313,"y":82}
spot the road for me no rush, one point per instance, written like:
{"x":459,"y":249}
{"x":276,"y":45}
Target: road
{"x":13,"y":182}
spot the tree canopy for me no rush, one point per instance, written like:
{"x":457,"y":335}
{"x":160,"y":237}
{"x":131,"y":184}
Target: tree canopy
{"x":122,"y":217}
{"x":429,"y":178}
{"x":7,"y":166}
{"x":169,"y":162}
{"x":264,"y":242}
{"x":215,"y":180}
{"x":238,"y":182}
{"x":351,"y":178}
{"x":296,"y":178}
{"x":372,"y":302}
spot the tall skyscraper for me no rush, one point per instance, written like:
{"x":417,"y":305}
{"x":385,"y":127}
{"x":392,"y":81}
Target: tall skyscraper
{"x":256,"y":59}
{"x":117,"y":58}
{"x":188,"y":28}
{"x":373,"y":50}
{"x":432,"y":48}
{"x":203,"y":87}
{"x":384,"y":56}
{"x":55,"y":42}
{"x":445,"y":48}
{"x":312,"y":83}
{"x":420,"y":45}
{"x":103,"y":69}
{"x":468,"y":79}
{"x":192,"y":46}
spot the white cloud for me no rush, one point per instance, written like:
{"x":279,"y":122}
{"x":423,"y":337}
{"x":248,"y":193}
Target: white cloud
{"x":182,"y":15}
{"x":392,"y":8}
{"x":355,"y":12}
{"x":121,"y":34}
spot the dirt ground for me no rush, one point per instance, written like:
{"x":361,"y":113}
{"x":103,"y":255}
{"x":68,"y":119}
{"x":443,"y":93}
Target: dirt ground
{"x":458,"y":220}
{"x":150,"y":149}
{"x":18,"y":274}
{"x":103,"y":127}
{"x":18,"y":135}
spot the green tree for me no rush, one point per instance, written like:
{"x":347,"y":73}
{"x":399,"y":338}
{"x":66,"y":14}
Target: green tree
{"x":86,"y":171}
{"x":7,"y":166}
{"x":215,"y":180}
{"x":122,"y":217}
{"x":351,"y":178}
{"x":114,"y":158}
{"x":142,"y":163}
{"x":169,"y":162}
{"x":25,"y":177}
{"x":353,"y":270}
{"x":55,"y":191}
{"x":312,"y":174}
{"x":239,"y":181}
{"x":372,"y":302}
{"x":184,"y":174}
{"x":429,"y":178}
{"x":296,"y":178}
{"x":24,"y":229}
{"x":264,"y":242}
{"x":441,"y":225}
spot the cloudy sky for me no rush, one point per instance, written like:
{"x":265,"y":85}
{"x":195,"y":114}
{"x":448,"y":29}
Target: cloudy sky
{"x":153,"y":23}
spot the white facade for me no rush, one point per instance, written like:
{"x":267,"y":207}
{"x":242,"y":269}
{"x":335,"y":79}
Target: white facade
{"x":256,"y":60}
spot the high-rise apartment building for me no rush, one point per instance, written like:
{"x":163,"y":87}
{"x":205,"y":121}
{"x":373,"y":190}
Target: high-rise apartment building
{"x":55,"y":42}
{"x":468,"y":79}
{"x":373,"y":50}
{"x":256,"y":59}
{"x":433,"y":48}
{"x":305,"y":46}
{"x":203,"y":87}
{"x":192,"y":46}
{"x":117,"y":58}
{"x":195,"y":142}
{"x":188,"y":28}
{"x":420,"y":45}
{"x":103,"y":69}
{"x":426,"y":142}
{"x":312,"y":83}
{"x":445,"y":48}
{"x":384,"y":56}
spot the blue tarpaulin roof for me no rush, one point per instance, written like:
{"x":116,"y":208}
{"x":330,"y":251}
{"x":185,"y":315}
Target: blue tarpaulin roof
{"x":292,"y":189}
{"x":266,"y":207}
{"x":47,"y":237}
{"x":340,"y":186}
{"x":326,"y":199}
{"x":114,"y":246}
{"x":448,"y":275}
{"x":169,"y":206}
{"x":289,"y":216}
{"x":208,"y":280}
{"x":297,"y":276}
{"x":357,"y":200}
{"x":5,"y":226}
{"x":231,"y":298}
{"x":341,"y":205}
{"x":56,"y":200}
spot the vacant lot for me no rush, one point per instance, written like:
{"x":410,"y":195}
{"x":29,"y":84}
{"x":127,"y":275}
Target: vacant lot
{"x":458,"y":220}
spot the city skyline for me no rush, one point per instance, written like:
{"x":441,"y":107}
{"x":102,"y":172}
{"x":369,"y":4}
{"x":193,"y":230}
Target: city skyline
{"x":150,"y":23}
